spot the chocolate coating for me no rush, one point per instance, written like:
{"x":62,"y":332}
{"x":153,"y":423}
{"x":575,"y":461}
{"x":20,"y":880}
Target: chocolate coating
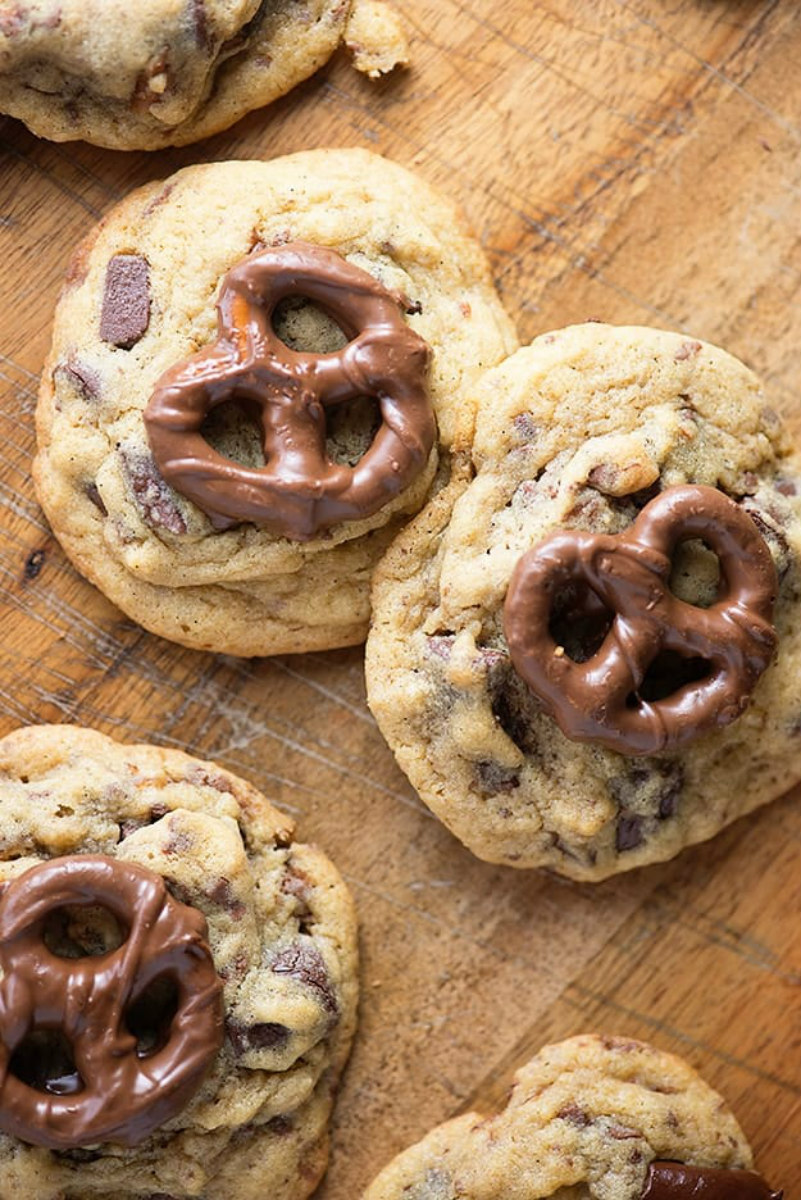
{"x":300,"y":491}
{"x":118,"y":1091}
{"x":600,"y":700}
{"x":125,"y":314}
{"x":676,"y":1181}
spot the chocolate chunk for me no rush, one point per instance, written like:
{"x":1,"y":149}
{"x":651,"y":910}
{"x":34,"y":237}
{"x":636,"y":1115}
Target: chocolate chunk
{"x":267,"y":1035}
{"x":575,"y":1115}
{"x":629,"y":834}
{"x":203,"y":777}
{"x":83,"y":378}
{"x":152,"y":495}
{"x":493,"y":778}
{"x":125,"y":315}
{"x":223,"y":894}
{"x":178,"y":842}
{"x":298,"y":885}
{"x":158,"y":200}
{"x":680,"y":1181}
{"x":304,"y":962}
{"x":200,"y":21}
{"x":770,"y":523}
{"x":91,"y":492}
{"x":650,"y":787}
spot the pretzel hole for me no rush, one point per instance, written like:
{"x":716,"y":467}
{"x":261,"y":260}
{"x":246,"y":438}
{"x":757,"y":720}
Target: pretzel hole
{"x":695,"y":573}
{"x":44,"y":1061}
{"x":82,"y":931}
{"x":149,"y":1019}
{"x":669,"y":672}
{"x":305,"y":327}
{"x":579,"y":621}
{"x":350,"y":429}
{"x":233,"y":429}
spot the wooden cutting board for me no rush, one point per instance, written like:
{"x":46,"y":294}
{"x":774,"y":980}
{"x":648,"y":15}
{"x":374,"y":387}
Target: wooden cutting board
{"x":635,"y":161}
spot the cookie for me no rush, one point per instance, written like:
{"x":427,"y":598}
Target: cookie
{"x":567,"y":674}
{"x":169,"y":72}
{"x":355,"y":316}
{"x":231,"y":947}
{"x":612,"y":1118}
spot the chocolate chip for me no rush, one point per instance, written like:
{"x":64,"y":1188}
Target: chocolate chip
{"x":769,"y":521}
{"x":91,"y":492}
{"x":203,"y":777}
{"x":125,"y":315}
{"x":298,"y":885}
{"x":304,"y":962}
{"x":629,"y":834}
{"x":575,"y":1115}
{"x":200,"y":21}
{"x":159,"y":199}
{"x":223,"y":894}
{"x":126,"y":828}
{"x":178,"y":842}
{"x":413,"y":308}
{"x":267,"y":1035}
{"x":651,"y":788}
{"x":34,"y":563}
{"x":83,"y":378}
{"x":786,"y":487}
{"x":604,"y":477}
{"x":236,"y":970}
{"x":152,"y":495}
{"x":687,"y":350}
{"x":493,"y":778}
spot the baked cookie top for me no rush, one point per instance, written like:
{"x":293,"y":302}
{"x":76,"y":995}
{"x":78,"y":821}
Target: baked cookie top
{"x":168,"y":72}
{"x":281,"y":930}
{"x":589,"y":1115}
{"x":140,"y":299}
{"x":583,"y":430}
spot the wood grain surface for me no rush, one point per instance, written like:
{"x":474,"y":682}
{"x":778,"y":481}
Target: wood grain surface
{"x":630,"y":160}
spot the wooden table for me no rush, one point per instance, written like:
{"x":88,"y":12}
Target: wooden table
{"x":636,"y":161}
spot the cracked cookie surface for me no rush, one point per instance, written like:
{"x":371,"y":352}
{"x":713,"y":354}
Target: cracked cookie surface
{"x":169,"y":72}
{"x":141,"y":297}
{"x":579,"y":431}
{"x":589,"y":1115}
{"x":281,"y":928}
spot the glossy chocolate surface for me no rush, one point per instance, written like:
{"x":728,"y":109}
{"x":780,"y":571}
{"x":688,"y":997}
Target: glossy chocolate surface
{"x":300,"y":491}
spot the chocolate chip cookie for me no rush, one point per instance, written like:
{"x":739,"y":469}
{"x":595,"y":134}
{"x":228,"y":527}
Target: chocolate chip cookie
{"x":612,"y":1118}
{"x":586,"y":650}
{"x":192,"y":978}
{"x":259,"y":371}
{"x":168,"y":72}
